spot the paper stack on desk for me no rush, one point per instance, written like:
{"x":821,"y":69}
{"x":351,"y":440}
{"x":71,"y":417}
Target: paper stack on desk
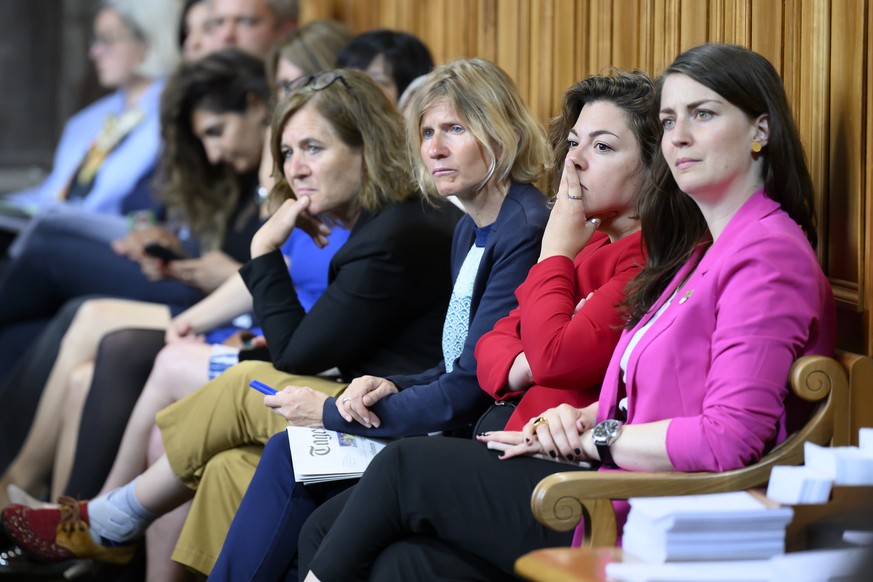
{"x":822,"y":468}
{"x":720,"y":526}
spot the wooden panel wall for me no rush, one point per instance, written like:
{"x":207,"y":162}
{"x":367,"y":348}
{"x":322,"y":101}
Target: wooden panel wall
{"x":822,"y":48}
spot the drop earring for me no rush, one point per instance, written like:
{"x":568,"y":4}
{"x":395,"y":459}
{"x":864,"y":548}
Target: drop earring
{"x":756,"y":146}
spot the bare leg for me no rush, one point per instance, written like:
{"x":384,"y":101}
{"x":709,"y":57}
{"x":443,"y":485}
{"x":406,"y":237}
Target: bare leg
{"x":32,"y":465}
{"x":159,"y":490}
{"x":77,"y":391}
{"x":180,"y":369}
{"x":161,"y":535}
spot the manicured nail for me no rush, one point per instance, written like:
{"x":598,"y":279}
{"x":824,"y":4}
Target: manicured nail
{"x":482,"y":434}
{"x":527,"y":439}
{"x":553,"y":454}
{"x":571,"y":458}
{"x":577,"y":451}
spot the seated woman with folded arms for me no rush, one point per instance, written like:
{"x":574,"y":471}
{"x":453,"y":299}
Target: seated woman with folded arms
{"x":335,"y":143}
{"x":261,"y":540}
{"x":731,"y":295}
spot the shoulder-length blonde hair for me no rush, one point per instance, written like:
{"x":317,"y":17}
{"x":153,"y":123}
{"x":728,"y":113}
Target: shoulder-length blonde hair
{"x":488,"y":103}
{"x":363,"y":119}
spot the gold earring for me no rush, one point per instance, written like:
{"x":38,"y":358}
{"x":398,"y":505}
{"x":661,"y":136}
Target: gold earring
{"x":756,"y":146}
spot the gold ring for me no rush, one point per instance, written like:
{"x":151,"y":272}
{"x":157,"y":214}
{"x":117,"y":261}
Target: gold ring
{"x":538,"y":421}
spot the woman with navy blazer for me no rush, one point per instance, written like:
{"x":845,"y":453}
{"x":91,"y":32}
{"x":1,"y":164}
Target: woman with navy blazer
{"x":731,"y":295}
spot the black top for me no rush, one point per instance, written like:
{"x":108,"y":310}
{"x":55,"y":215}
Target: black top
{"x":383,"y":309}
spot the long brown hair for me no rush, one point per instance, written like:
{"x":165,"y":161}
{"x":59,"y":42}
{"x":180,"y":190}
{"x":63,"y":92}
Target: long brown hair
{"x":196,"y":192}
{"x":672,"y":225}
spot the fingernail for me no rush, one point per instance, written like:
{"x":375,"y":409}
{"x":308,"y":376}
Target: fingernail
{"x":527,"y":439}
{"x":481,"y":434}
{"x":553,"y":454}
{"x":577,"y":451}
{"x":571,"y":458}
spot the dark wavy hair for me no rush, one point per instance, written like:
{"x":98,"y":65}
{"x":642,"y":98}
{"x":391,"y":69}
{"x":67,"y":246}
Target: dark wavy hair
{"x":672,"y":224}
{"x":196,"y":192}
{"x":634,"y":93}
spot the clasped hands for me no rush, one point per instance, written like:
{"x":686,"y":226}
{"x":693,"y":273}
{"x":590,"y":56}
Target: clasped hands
{"x":559,"y":434}
{"x":355,"y":403}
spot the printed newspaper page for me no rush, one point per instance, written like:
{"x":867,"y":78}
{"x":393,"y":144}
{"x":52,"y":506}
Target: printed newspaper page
{"x":320,"y":455}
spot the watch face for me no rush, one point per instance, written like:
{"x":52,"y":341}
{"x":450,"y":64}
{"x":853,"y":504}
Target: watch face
{"x":606,"y":429}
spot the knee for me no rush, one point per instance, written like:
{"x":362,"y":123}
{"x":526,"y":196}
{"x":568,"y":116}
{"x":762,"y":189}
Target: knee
{"x":82,"y":332}
{"x":276,"y":448}
{"x":169,"y":360}
{"x":79,"y":383}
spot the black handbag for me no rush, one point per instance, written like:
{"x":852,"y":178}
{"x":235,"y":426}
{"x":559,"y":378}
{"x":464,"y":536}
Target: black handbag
{"x":496,"y":417}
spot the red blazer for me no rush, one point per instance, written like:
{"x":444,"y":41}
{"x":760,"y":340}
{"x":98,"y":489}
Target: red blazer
{"x":568,"y":353}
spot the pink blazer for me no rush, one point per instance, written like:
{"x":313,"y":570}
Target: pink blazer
{"x":716,"y":362}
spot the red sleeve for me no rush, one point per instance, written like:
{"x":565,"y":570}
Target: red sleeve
{"x":567,"y":350}
{"x":495,"y":353}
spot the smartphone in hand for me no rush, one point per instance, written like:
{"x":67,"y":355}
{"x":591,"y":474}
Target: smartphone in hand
{"x":263,"y":388}
{"x":161,"y":252}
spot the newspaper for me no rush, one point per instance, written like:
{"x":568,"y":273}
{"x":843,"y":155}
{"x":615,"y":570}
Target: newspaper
{"x":321,"y":455}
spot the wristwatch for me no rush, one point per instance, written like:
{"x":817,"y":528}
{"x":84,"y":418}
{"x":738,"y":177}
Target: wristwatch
{"x":604,"y":435}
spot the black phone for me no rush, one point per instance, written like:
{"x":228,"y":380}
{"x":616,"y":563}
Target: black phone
{"x":159,"y":251}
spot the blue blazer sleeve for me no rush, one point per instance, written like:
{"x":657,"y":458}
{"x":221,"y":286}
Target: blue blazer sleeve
{"x":442,"y":401}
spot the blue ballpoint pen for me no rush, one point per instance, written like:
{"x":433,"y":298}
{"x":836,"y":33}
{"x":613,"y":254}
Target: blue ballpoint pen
{"x":263,"y":388}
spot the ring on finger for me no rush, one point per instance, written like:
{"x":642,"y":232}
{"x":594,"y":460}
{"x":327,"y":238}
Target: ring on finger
{"x":574,"y":197}
{"x":538,"y":421}
{"x":346,"y":400}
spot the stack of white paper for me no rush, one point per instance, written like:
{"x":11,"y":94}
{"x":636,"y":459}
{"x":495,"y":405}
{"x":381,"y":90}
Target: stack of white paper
{"x":844,"y":465}
{"x":799,"y":485}
{"x":815,"y":566}
{"x":320,"y":455}
{"x":720,"y":526}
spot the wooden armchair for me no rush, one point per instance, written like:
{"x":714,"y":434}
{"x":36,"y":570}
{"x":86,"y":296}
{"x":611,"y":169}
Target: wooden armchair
{"x":560,"y":500}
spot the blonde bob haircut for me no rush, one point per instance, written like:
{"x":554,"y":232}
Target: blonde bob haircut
{"x":363,"y":119}
{"x":488,"y":104}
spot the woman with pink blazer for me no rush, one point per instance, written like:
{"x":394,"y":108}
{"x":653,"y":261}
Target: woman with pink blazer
{"x":731,"y":295}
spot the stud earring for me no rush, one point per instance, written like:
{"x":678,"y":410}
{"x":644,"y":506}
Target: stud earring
{"x":756,"y":146}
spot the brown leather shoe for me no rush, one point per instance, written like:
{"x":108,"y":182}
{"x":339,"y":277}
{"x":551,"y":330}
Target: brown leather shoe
{"x":54,"y":535}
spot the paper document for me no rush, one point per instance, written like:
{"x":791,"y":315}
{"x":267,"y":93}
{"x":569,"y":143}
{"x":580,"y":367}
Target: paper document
{"x":320,"y":455}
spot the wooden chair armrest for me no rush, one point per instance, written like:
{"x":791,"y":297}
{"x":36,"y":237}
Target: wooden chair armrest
{"x":559,"y":501}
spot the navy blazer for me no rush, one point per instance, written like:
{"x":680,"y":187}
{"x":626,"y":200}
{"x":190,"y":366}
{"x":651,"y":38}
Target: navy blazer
{"x":435,"y":400}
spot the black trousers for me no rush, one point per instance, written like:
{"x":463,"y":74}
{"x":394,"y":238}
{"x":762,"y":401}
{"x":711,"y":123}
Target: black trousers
{"x":56,"y":266}
{"x":430,"y":508}
{"x":124,"y":362}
